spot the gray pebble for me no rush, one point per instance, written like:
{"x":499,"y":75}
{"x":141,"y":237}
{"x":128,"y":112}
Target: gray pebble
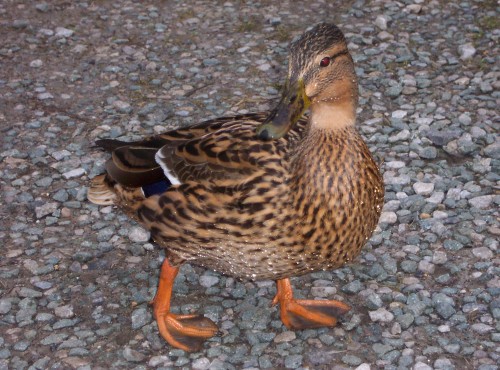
{"x":381,"y":315}
{"x":138,"y":234}
{"x":293,"y":361}
{"x":140,"y":317}
{"x":132,"y":355}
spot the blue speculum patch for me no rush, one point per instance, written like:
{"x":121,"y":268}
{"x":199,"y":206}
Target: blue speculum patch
{"x":156,"y":188}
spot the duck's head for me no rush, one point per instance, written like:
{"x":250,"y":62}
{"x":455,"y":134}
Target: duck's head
{"x":321,"y":76}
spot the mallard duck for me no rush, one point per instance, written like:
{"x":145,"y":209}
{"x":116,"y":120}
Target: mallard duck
{"x":258,"y":196}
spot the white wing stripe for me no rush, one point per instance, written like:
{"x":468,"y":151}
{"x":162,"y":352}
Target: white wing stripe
{"x":170,"y":176}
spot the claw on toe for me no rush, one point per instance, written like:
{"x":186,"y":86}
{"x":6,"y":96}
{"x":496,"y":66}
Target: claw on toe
{"x":306,"y":314}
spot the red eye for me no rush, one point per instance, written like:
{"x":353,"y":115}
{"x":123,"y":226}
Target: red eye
{"x":325,"y":62}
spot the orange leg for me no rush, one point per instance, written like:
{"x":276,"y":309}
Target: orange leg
{"x":187,"y":332}
{"x":306,"y":314}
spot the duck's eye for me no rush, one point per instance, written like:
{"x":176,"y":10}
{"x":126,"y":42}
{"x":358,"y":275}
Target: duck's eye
{"x":324,"y":62}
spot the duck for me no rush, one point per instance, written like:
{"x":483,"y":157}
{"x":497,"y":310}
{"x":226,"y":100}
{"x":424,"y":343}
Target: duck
{"x":261,"y":196}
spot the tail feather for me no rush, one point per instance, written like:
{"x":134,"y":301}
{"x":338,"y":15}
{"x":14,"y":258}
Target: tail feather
{"x":101,"y":192}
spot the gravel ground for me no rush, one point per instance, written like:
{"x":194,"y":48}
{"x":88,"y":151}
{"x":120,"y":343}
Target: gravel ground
{"x":75,"y":279}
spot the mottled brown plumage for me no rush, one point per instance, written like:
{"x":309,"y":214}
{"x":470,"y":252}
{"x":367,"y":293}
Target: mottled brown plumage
{"x":259,"y":196}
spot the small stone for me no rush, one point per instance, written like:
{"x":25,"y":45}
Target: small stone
{"x":29,"y":293}
{"x":353,"y":287}
{"x":286,"y":336}
{"x":381,"y":315}
{"x":140,"y":317}
{"x":37,"y":63}
{"x":293,"y":361}
{"x":54,"y":339}
{"x":351,"y":360}
{"x":426,"y":267}
{"x":423,"y":188}
{"x":436,"y":198}
{"x":45,"y":96}
{"x":445,"y":310}
{"x":42,"y":7}
{"x":208,"y":281}
{"x":439,"y":257}
{"x":483,"y":252}
{"x":363,"y":366}
{"x":399,"y":114}
{"x":122,"y":107}
{"x":138,"y":234}
{"x":388,"y":218}
{"x":64,"y":32}
{"x":132,"y":355}
{"x":264,"y":67}
{"x":64,"y":311}
{"x":493,"y":150}
{"x":46,"y":209}
{"x":202,"y":363}
{"x":421,"y":366}
{"x":5,"y":306}
{"x":481,"y":328}
{"x":482,"y":202}
{"x":466,"y":51}
{"x":381,"y":22}
{"x":77,"y":172}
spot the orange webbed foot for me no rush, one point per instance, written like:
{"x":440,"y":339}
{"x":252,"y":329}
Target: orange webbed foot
{"x":306,"y":314}
{"x":187,"y":332}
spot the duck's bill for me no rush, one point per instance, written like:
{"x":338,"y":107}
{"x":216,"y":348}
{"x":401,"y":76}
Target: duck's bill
{"x":293,"y":104}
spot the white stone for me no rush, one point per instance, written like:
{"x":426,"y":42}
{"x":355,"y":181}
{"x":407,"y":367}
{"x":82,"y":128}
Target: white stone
{"x":436,"y":198}
{"x":389,"y":178}
{"x":60,"y":154}
{"x":399,"y":114}
{"x":77,"y":172}
{"x":264,"y":67}
{"x":439,"y":215}
{"x":381,"y":22}
{"x":423,"y":188}
{"x":37,"y":63}
{"x":208,"y":280}
{"x":395,"y":164}
{"x":45,"y":96}
{"x":65,"y":312}
{"x":388,"y":218}
{"x":381,"y":315}
{"x":466,"y":51}
{"x":363,"y":366}
{"x":64,"y":32}
{"x":443,"y":328}
{"x":138,"y":234}
{"x":439,"y":257}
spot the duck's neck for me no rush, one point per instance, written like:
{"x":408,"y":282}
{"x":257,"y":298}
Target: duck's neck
{"x":333,"y":115}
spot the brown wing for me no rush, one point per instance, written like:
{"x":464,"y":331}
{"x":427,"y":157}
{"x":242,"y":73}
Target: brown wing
{"x":223,"y":148}
{"x":231,"y":152}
